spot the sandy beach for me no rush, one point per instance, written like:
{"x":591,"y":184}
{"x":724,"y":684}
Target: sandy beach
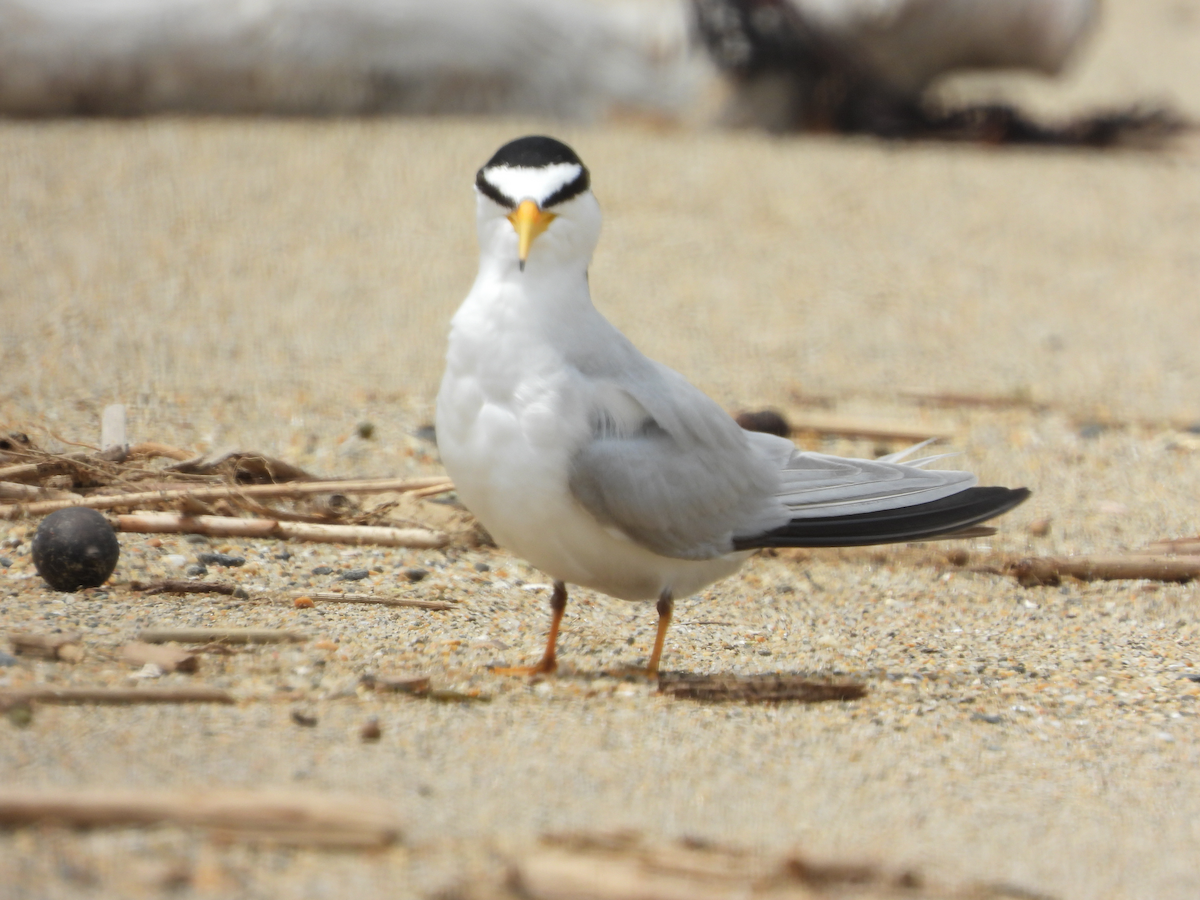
{"x":271,"y":284}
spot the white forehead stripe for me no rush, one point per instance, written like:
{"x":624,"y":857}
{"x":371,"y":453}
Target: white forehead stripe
{"x":524,"y":183}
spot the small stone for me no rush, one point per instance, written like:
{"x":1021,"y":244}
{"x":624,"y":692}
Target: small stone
{"x":365,"y":430}
{"x":195,"y":570}
{"x":75,"y":548}
{"x":283,"y":555}
{"x":989,"y":718}
{"x":5,"y":562}
{"x":303,"y":603}
{"x":415,"y":574}
{"x":178,"y":560}
{"x":220,"y":559}
{"x":322,"y":570}
{"x":958,"y":556}
{"x":482,"y":567}
{"x":240,"y":593}
{"x":195,"y":538}
{"x":370,"y":731}
{"x":303,"y":718}
{"x":7,"y":659}
{"x":354,"y":575}
{"x":765,"y":420}
{"x":1039,"y":527}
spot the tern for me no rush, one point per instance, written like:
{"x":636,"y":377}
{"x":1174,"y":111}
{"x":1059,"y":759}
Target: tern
{"x":608,"y":470}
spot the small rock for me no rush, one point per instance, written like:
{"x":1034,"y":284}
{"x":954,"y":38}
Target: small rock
{"x":149,"y":670}
{"x":75,"y":548}
{"x":7,"y":659}
{"x":240,"y":593}
{"x":990,"y":718}
{"x":5,"y":562}
{"x":195,"y":570}
{"x":303,"y":603}
{"x":354,"y":575}
{"x":482,"y":567}
{"x":370,"y":731}
{"x":1039,"y":527}
{"x":195,"y":538}
{"x":220,"y":559}
{"x":306,"y":719}
{"x":283,"y":555}
{"x":365,"y":430}
{"x":322,"y":570}
{"x":178,"y":560}
{"x":415,"y":574}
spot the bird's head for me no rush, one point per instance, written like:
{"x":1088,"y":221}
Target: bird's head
{"x":535,"y":205}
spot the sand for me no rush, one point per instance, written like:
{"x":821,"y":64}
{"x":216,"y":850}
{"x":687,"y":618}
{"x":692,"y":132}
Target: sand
{"x":270,"y":284}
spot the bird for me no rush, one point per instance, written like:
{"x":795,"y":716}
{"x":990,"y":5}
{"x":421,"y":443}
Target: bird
{"x":608,"y":470}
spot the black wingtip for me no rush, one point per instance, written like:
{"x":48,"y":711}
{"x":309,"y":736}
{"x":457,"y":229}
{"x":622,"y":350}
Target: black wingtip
{"x":938,"y":518}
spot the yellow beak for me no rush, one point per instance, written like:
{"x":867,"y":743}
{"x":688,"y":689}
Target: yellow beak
{"x":528,"y":221}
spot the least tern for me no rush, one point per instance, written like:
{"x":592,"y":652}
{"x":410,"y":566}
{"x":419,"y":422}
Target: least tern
{"x":606,"y":469}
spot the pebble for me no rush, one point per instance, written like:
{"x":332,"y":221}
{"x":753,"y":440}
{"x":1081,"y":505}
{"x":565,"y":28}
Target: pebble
{"x":283,"y":555}
{"x":322,"y":570}
{"x":415,"y":574}
{"x":354,"y":575}
{"x":75,"y":548}
{"x":195,"y":570}
{"x":195,"y":538}
{"x":370,"y":731}
{"x":220,"y":559}
{"x":7,"y":659}
{"x":990,"y":718}
{"x":178,"y":560}
{"x":303,"y":718}
{"x":765,"y":420}
{"x":5,"y":562}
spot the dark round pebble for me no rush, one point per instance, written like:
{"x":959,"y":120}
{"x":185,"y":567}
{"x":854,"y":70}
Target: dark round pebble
{"x":220,"y":559}
{"x":354,"y":575}
{"x":284,"y":555}
{"x":322,"y":570}
{"x":766,"y":420}
{"x":415,"y":574}
{"x":195,"y":570}
{"x":75,"y":548}
{"x":482,"y":567}
{"x":5,"y":562}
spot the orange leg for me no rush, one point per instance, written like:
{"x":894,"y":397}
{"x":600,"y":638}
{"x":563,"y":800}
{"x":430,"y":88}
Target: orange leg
{"x":558,"y":604}
{"x":666,"y":608}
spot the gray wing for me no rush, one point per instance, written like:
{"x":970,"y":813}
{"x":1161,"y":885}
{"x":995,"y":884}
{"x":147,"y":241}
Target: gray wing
{"x":670,"y":469}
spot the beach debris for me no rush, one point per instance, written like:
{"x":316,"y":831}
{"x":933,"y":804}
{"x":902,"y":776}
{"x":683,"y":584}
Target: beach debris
{"x":1189,"y":546}
{"x":175,"y":586}
{"x":1039,"y":527}
{"x":1050,"y":570}
{"x":113,"y":442}
{"x":398,"y":684}
{"x":167,"y":658}
{"x":233,"y":526}
{"x":333,"y":597}
{"x":220,"y":559}
{"x":766,"y":420}
{"x":304,"y":718}
{"x":120,"y":696}
{"x":370,"y":731}
{"x":75,"y":548}
{"x":624,"y":866}
{"x":770,"y":688}
{"x":289,"y":817}
{"x":66,"y":646}
{"x":221,"y":636}
{"x":303,"y":602}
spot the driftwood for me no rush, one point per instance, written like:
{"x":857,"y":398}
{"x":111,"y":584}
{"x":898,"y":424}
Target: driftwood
{"x":221,"y":636}
{"x":1181,"y":546}
{"x":218,"y":492}
{"x":121,"y":696}
{"x":54,"y":465}
{"x":758,"y":688}
{"x":1051,"y":570}
{"x":232,"y":526}
{"x":332,"y":597}
{"x":167,"y":658}
{"x":285,"y":817}
{"x":66,"y":646}
{"x":173,"y":586}
{"x":29,"y":493}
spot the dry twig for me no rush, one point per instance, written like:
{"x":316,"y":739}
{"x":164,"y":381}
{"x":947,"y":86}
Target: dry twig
{"x":1180,"y":546}
{"x":758,"y":688}
{"x":284,"y":817}
{"x":172,"y":586}
{"x":332,"y":597}
{"x":216,"y":492}
{"x":123,"y":696}
{"x":221,"y":635}
{"x":232,"y":526}
{"x":1051,"y":570}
